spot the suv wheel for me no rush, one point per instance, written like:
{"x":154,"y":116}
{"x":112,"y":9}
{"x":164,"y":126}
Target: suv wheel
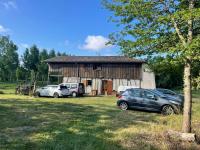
{"x":74,"y":94}
{"x":123,"y":106}
{"x":55,"y":95}
{"x":167,"y":110}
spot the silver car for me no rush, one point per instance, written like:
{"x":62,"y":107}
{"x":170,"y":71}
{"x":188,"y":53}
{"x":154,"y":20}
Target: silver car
{"x":53,"y":91}
{"x":75,"y":89}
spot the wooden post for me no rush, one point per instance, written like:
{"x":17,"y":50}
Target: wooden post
{"x":48,"y":79}
{"x":48,"y":74}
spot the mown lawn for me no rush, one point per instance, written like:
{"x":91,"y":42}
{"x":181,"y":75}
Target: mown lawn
{"x":88,"y":123}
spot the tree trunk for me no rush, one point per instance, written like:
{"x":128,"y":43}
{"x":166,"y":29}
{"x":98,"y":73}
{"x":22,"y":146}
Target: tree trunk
{"x":34,"y":83}
{"x":186,"y":127}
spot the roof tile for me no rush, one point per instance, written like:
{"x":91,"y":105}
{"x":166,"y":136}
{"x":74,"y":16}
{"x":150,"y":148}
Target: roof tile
{"x":93,"y":59}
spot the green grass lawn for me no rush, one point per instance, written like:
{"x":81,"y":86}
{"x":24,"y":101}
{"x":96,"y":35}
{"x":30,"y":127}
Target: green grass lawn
{"x":88,"y":123}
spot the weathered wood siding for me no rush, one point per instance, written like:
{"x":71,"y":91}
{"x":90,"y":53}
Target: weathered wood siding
{"x":115,"y":71}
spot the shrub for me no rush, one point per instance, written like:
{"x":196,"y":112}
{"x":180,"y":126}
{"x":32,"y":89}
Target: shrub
{"x":196,"y":83}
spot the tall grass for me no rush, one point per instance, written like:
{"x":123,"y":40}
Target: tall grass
{"x":87,"y":123}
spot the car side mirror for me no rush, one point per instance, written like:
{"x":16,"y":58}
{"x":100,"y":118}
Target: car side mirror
{"x":153,"y":97}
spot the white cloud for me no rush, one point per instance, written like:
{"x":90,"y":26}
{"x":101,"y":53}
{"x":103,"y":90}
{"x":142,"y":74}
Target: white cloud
{"x":95,"y":43}
{"x":8,"y":4}
{"x":24,"y":45}
{"x":3,"y":29}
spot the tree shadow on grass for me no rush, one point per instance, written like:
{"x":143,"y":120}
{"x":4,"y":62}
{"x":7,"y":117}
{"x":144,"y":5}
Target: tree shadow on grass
{"x":52,"y":125}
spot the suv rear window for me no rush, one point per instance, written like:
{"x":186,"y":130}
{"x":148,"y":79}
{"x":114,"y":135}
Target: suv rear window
{"x":73,"y":86}
{"x":63,"y":87}
{"x":135,"y":92}
{"x":148,"y":95}
{"x":67,"y":85}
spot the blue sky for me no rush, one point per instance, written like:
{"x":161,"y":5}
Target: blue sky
{"x":78,"y":27}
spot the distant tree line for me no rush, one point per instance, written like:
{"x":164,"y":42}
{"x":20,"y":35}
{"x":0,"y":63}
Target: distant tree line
{"x":31,"y":65}
{"x":170,"y":75}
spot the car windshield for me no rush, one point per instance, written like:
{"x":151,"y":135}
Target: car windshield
{"x":158,"y":93}
{"x":53,"y":86}
{"x":170,"y":92}
{"x":166,"y":91}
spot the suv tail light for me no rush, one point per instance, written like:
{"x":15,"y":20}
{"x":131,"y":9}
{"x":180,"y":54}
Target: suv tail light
{"x":120,"y":96}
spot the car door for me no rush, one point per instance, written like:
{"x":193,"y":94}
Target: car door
{"x":44,"y":92}
{"x":68,"y":87}
{"x":74,"y":88}
{"x":150,"y":100}
{"x":64,"y":90}
{"x":51,"y":90}
{"x":135,"y":98}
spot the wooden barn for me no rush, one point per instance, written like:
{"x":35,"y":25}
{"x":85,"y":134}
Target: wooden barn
{"x":103,"y":74}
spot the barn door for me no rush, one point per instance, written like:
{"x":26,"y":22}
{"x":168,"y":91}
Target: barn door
{"x":109,"y":87}
{"x":104,"y":86}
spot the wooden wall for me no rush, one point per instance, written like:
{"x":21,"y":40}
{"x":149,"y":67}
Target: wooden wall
{"x":115,"y":71}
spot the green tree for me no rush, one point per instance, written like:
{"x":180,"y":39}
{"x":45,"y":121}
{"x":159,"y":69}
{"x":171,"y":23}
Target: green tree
{"x":31,"y":61}
{"x":21,"y":73}
{"x":8,"y":59}
{"x":18,"y":73}
{"x":59,"y":54}
{"x":64,"y":54}
{"x":52,"y":53}
{"x":43,"y":67}
{"x":165,"y":72}
{"x":160,"y":27}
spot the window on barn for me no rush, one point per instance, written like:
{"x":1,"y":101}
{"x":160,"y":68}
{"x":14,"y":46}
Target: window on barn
{"x":96,"y":67}
{"x":89,"y":82}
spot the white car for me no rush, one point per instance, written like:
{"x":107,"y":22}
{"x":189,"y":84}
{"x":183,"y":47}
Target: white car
{"x":53,"y":91}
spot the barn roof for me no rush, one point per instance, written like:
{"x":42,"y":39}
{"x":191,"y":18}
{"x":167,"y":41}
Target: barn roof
{"x":93,"y":59}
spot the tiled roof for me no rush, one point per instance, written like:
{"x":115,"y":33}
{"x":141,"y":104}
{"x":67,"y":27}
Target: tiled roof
{"x":93,"y":59}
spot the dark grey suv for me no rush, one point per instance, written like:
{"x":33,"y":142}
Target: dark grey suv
{"x":170,"y":93}
{"x":145,"y":99}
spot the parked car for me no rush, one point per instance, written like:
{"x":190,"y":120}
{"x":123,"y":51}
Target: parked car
{"x":170,"y":93}
{"x":75,"y":89}
{"x":122,"y":88}
{"x":52,"y":91}
{"x":145,"y":99}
